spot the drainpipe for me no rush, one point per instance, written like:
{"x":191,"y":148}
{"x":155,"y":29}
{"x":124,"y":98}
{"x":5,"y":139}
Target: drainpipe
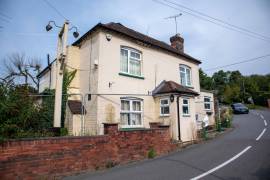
{"x":178,"y":118}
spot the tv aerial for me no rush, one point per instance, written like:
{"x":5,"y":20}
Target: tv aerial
{"x":174,"y":17}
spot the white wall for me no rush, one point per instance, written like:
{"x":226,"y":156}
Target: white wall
{"x":200,"y":110}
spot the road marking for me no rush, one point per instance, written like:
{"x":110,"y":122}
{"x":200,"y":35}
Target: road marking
{"x":223,"y":164}
{"x":262,"y":116}
{"x":265,"y":123}
{"x":258,"y":138}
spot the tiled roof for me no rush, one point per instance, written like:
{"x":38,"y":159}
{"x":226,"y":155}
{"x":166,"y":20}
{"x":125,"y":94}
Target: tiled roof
{"x":119,"y":28}
{"x":172,"y":87}
{"x":75,"y":107}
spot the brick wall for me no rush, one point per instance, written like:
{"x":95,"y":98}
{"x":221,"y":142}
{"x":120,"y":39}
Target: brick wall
{"x":60,"y":156}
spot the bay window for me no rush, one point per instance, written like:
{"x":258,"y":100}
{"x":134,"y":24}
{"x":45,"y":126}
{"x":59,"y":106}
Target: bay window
{"x":130,"y":62}
{"x":185,"y":75}
{"x":131,"y":112}
{"x":164,"y":107}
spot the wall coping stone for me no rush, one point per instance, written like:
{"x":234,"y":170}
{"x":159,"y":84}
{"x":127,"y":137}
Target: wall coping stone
{"x":54,"y":138}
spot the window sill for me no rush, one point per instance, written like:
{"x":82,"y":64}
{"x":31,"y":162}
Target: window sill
{"x":164,"y":115}
{"x":130,"y":75}
{"x":132,"y":129}
{"x":186,"y":115}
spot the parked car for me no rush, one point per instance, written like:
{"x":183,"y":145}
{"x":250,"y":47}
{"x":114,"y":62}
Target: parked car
{"x":239,"y":108}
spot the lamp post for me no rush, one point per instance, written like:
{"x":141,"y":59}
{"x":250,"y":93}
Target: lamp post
{"x":60,"y":65}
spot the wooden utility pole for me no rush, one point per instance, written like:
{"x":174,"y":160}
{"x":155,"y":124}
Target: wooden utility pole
{"x":60,"y":64}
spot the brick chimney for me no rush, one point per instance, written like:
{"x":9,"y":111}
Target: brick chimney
{"x":177,"y":42}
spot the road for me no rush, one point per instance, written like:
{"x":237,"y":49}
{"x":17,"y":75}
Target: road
{"x":243,"y":153}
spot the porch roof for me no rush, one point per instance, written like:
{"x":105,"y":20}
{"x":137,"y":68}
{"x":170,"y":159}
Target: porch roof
{"x":172,"y":87}
{"x":76,"y":106}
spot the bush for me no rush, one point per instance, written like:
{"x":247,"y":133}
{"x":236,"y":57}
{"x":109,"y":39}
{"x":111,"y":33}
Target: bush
{"x":226,"y":117}
{"x":253,"y":106}
{"x":110,"y":164}
{"x":63,"y":132}
{"x":151,"y":153}
{"x":21,"y":115}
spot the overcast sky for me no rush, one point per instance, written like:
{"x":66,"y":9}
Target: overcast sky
{"x":22,"y":27}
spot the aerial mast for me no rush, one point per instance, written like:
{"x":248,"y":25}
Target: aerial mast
{"x":174,"y":17}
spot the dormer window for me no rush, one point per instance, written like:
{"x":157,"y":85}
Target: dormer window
{"x":185,"y":75}
{"x":130,"y":62}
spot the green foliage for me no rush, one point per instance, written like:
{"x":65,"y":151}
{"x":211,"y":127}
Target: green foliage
{"x":232,"y":86}
{"x":67,"y":79}
{"x":22,"y":115}
{"x":63,"y":132}
{"x":110,"y":164}
{"x":204,"y":133}
{"x":206,"y":82}
{"x":253,"y":106}
{"x":151,"y":153}
{"x":226,"y":117}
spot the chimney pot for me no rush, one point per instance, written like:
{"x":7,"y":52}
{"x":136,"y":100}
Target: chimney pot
{"x":177,"y":42}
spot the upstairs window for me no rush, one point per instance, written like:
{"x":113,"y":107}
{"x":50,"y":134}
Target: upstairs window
{"x":207,"y":103}
{"x":164,"y":107}
{"x":131,"y":113}
{"x":130,"y":62}
{"x":185,"y":75}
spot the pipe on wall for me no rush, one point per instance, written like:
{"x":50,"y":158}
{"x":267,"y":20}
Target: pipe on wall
{"x":178,"y":118}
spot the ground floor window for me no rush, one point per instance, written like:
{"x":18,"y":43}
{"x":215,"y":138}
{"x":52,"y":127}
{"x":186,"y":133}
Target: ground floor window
{"x":185,"y":107}
{"x":131,"y":112}
{"x":164,"y":107}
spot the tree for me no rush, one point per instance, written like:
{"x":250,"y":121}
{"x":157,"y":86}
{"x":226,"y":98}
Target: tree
{"x":21,"y":69}
{"x":231,"y":94}
{"x":235,"y":77}
{"x":206,"y":82}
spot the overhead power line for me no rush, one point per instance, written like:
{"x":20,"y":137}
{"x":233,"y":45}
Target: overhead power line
{"x":211,"y":21}
{"x":55,"y":9}
{"x":4,"y":15}
{"x":219,"y":20}
{"x":239,"y":62}
{"x":4,"y":19}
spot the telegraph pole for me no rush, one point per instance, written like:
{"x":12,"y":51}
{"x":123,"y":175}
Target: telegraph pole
{"x":60,"y":63}
{"x":60,"y":66}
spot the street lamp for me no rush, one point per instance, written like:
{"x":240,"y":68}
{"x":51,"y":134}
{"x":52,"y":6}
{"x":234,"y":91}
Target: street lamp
{"x":60,"y":65}
{"x":49,"y":27}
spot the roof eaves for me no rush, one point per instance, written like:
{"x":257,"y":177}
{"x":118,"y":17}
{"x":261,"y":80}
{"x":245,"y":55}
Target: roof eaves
{"x":39,"y":75}
{"x":163,"y":45}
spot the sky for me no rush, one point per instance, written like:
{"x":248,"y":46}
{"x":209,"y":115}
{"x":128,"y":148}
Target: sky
{"x":22,"y":27}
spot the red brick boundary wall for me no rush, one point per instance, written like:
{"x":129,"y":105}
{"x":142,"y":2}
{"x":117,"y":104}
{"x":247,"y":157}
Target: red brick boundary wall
{"x":60,"y":156}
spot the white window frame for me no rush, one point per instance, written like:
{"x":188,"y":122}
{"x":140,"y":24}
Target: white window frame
{"x":131,"y":111}
{"x":186,"y":105}
{"x":164,"y":105}
{"x":133,"y":58}
{"x":205,"y":102}
{"x":186,"y":68}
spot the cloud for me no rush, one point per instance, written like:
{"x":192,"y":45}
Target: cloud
{"x":212,"y":44}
